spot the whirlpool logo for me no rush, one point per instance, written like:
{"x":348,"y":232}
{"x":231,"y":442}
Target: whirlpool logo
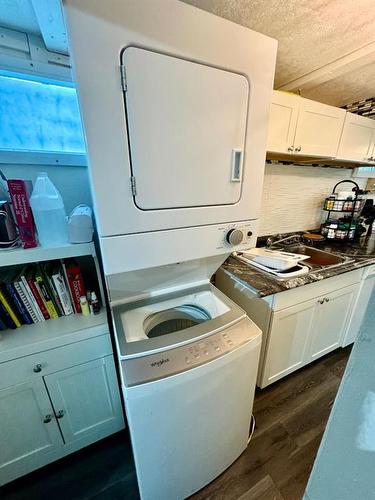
{"x":160,"y":363}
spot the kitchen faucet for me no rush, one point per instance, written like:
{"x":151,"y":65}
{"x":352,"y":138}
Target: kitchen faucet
{"x":279,"y":239}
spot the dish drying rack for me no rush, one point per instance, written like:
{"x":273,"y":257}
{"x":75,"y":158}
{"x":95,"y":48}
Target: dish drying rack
{"x":343,"y":228}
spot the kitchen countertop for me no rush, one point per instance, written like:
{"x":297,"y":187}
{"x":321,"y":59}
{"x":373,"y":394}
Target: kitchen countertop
{"x":362,"y":252}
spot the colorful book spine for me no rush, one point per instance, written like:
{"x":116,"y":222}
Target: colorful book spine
{"x":23,"y":296}
{"x":9,"y":310}
{"x":76,"y":283}
{"x":6,"y":318}
{"x":46,"y":295}
{"x":63,"y":266}
{"x":38,"y":298}
{"x":18,"y":190}
{"x":21,"y":308}
{"x":31,"y":299}
{"x":63,"y":294}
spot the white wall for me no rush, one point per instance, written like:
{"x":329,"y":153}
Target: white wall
{"x":293,"y":196}
{"x":72,"y":182}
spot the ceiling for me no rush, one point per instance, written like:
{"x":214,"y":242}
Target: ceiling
{"x":331,"y":41}
{"x":326,"y":47}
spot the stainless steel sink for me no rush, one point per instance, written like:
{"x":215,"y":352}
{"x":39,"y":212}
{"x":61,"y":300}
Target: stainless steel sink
{"x":318,"y":259}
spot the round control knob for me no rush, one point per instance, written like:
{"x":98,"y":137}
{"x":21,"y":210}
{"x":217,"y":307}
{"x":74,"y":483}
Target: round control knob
{"x":234,"y":236}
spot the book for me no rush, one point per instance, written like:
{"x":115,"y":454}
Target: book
{"x":61,"y":290}
{"x":9,"y":310}
{"x":6,"y":318}
{"x":41,"y":285}
{"x":51,"y":288}
{"x":63,"y":266}
{"x":19,"y":191}
{"x":31,"y":281}
{"x":75,"y":282}
{"x":14,"y":299}
{"x":26,"y":290}
{"x":19,"y":287}
{"x":31,"y":297}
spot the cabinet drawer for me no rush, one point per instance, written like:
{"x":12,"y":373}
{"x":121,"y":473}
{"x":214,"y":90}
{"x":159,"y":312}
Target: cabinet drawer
{"x":294,"y":296}
{"x":13,"y":372}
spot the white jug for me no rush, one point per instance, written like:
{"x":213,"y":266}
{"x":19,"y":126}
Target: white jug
{"x":49,"y":212}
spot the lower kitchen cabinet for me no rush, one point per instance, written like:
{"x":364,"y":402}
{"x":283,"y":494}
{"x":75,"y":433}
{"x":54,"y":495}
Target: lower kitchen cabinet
{"x":305,"y":332}
{"x":29,"y":434}
{"x":86,"y":400}
{"x":55,"y":402}
{"x":287,"y":341}
{"x":330,"y":321}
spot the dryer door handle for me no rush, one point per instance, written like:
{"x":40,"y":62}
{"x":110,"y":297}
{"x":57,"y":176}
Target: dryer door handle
{"x":237,"y":162}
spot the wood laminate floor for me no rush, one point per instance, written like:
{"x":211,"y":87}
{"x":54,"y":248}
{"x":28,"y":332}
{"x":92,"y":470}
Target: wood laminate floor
{"x":291,"y":416}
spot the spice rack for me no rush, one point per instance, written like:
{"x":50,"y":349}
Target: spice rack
{"x":342,"y":228}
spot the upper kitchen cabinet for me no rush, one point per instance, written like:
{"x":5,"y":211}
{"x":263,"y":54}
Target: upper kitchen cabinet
{"x":318,"y":130}
{"x":283,"y":121}
{"x":303,"y":127}
{"x":357,"y":140}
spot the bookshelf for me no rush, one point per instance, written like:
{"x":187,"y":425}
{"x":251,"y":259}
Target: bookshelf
{"x":42,"y":336}
{"x":18,"y":256}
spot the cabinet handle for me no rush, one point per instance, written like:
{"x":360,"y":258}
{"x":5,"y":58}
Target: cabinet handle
{"x":326,"y":300}
{"x":60,"y":414}
{"x":321,"y":301}
{"x":290,"y":149}
{"x":298,"y":149}
{"x":47,"y":419}
{"x":37,"y":368}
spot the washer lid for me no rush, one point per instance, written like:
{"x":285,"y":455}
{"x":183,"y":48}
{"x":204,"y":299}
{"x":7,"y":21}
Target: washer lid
{"x":162,"y":323}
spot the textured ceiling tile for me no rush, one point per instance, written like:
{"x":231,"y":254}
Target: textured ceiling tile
{"x":311,"y":33}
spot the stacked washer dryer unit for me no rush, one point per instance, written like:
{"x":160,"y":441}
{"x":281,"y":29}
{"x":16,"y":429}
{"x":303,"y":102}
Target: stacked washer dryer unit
{"x":175,"y":108}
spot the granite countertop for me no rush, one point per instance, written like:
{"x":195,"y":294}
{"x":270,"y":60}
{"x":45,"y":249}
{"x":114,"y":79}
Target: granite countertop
{"x":362,"y":253}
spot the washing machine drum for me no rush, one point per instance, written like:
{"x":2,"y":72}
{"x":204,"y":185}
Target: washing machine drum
{"x":174,"y":319}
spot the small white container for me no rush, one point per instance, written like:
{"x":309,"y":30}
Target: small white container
{"x":80,"y":225}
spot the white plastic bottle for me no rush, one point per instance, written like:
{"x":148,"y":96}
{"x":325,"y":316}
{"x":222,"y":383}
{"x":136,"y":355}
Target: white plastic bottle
{"x":49,"y":212}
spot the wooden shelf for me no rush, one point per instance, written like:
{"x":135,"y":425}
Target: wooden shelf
{"x":38,"y":254}
{"x":30,"y":339}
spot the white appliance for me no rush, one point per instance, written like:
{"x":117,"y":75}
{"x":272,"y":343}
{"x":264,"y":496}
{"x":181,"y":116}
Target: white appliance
{"x":80,"y":225}
{"x":188,"y":393}
{"x":175,"y":107}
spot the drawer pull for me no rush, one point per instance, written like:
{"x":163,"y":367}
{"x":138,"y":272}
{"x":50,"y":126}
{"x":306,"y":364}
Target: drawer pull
{"x":321,"y":301}
{"x":37,"y":368}
{"x":327,"y":300}
{"x":60,"y":414}
{"x":47,"y":419}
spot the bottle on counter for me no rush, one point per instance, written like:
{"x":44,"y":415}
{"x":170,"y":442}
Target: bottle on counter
{"x":84,"y":306}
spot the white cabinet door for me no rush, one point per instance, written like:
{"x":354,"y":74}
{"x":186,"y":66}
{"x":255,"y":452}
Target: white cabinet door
{"x":86,"y":400}
{"x":365,"y":289}
{"x":357,"y":138}
{"x":287,"y":341}
{"x":186,"y":124}
{"x":29,"y":434}
{"x":282,"y":122}
{"x":319,"y":128}
{"x":330,"y":321}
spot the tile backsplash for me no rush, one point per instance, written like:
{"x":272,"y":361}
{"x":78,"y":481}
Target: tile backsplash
{"x":293,"y":196}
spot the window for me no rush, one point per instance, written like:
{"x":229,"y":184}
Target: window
{"x":40,"y":118}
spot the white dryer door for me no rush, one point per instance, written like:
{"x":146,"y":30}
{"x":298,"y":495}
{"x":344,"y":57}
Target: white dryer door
{"x":186,"y":125}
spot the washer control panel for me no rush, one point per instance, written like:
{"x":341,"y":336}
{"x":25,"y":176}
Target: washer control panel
{"x":242,"y":235}
{"x":169,"y":362}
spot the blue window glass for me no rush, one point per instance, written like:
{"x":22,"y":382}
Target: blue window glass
{"x":39,"y":116}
